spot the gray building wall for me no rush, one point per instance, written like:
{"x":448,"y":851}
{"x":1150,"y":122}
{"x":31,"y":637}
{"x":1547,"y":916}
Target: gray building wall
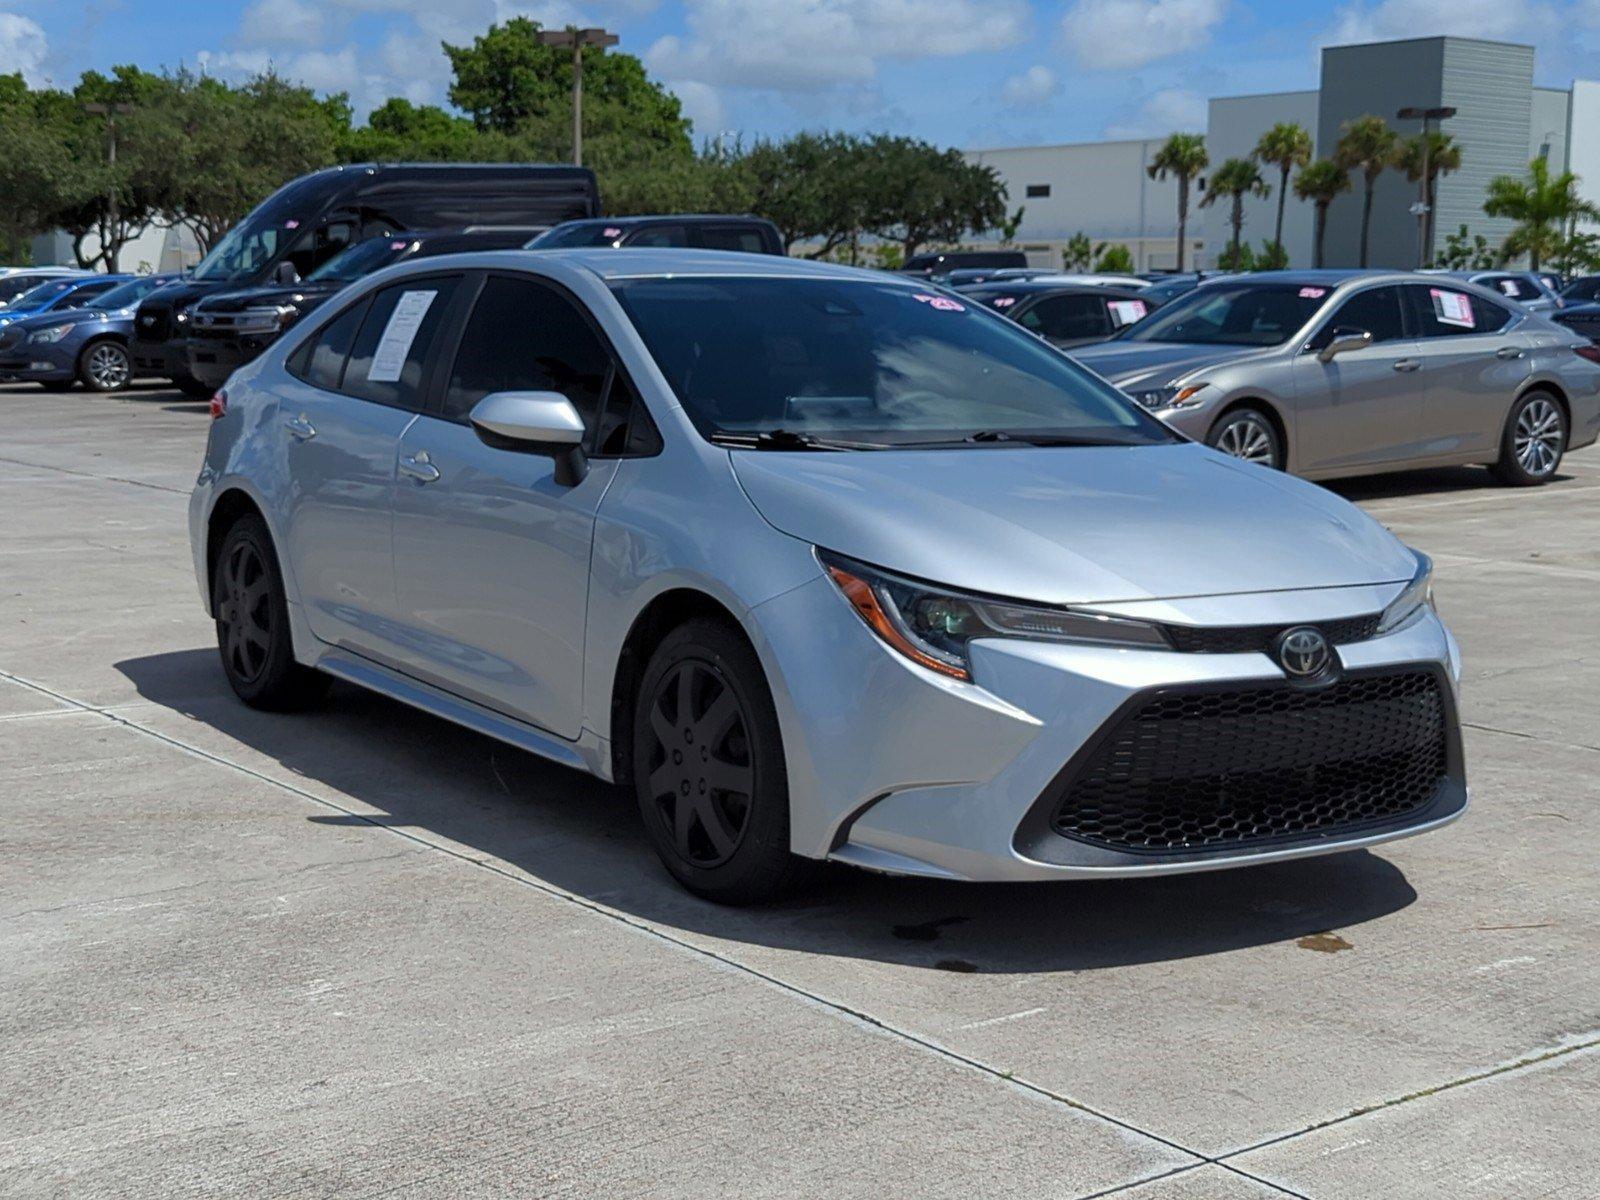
{"x":1234,"y":125}
{"x":1492,"y":85}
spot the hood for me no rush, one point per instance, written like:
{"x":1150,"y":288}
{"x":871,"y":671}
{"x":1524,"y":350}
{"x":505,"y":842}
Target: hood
{"x":1155,"y":364}
{"x":300,"y":296}
{"x":180,"y":295}
{"x":1074,"y":525}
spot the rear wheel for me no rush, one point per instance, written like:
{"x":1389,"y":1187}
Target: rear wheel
{"x":1248,"y":433}
{"x":253,"y":623}
{"x":1533,"y":441}
{"x":709,"y":770}
{"x":105,"y":366}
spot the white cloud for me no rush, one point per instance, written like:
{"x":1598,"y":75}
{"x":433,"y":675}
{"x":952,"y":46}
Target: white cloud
{"x":22,"y":46}
{"x":1031,"y":88}
{"x":1170,"y":110}
{"x":703,"y":105}
{"x":1510,"y":20}
{"x":1121,"y":34}
{"x":283,"y":23}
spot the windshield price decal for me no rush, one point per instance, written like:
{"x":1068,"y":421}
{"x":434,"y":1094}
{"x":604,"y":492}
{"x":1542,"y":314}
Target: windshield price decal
{"x":942,"y":303}
{"x":1127,"y":312}
{"x":1452,"y":308}
{"x":390,"y":357}
{"x":1004,"y":301}
{"x":1313,"y":293}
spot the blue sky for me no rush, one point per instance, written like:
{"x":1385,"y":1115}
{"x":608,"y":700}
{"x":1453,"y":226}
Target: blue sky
{"x":961,"y":72}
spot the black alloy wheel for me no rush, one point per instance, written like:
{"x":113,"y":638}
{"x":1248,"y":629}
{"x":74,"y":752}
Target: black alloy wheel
{"x":244,"y":615}
{"x":701,"y":778}
{"x":252,"y":617}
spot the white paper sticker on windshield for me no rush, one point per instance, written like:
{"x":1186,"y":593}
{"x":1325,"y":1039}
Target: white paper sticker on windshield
{"x":1126,"y":312}
{"x":390,"y":357}
{"x":1452,"y":308}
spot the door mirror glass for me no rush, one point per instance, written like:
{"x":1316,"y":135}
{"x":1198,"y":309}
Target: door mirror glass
{"x":1345,"y":338}
{"x":534,"y":423}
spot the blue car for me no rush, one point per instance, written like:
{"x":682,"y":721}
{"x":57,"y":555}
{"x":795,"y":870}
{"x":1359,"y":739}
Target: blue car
{"x":81,"y":336}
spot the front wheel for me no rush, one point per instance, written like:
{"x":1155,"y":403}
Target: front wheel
{"x":1533,"y":441}
{"x":1249,"y":434}
{"x":709,"y":770}
{"x":253,"y":623}
{"x":105,"y":366}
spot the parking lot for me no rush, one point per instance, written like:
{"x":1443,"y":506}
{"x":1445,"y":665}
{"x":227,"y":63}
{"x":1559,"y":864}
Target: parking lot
{"x":360,"y":951}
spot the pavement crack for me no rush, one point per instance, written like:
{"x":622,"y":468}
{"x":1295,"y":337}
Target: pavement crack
{"x":158,"y":487}
{"x":1531,"y":737}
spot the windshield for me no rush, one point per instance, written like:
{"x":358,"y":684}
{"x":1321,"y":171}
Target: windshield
{"x":250,"y":245}
{"x":128,"y":294}
{"x":1233,"y":314}
{"x":42,"y":293}
{"x":875,"y":363}
{"x":579,"y":233}
{"x":13,"y":286}
{"x":362,"y":259}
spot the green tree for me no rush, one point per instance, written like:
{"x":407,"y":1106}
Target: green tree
{"x":1444,"y":158}
{"x":1114,"y":259}
{"x":1235,"y":179}
{"x":1183,"y":156}
{"x":918,"y":194}
{"x":1366,"y":145}
{"x":1543,"y":206}
{"x":399,"y":131}
{"x":1463,"y":251}
{"x":36,"y":168}
{"x":1321,"y":182}
{"x":1271,"y":257}
{"x":812,"y":186}
{"x":1286,"y":146}
{"x":1078,"y":253}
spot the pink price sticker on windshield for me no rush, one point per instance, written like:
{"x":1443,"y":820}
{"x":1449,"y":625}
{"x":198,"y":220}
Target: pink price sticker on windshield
{"x":397,"y":245}
{"x":1004,"y":301}
{"x":942,"y":303}
{"x":291,"y":223}
{"x":611,"y":232}
{"x":1313,"y":293}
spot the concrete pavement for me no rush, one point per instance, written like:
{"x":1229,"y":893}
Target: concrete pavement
{"x":360,"y":951}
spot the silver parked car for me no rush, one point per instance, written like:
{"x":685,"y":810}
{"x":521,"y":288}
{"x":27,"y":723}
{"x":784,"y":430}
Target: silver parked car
{"x":1328,"y":373}
{"x":822,"y":564}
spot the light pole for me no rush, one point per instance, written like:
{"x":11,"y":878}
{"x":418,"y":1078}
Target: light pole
{"x":110,"y":112}
{"x":577,"y":39}
{"x":1424,"y":206}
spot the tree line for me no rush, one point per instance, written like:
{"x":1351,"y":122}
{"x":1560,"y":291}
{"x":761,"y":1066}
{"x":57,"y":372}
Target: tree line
{"x":201,"y":152}
{"x":1545,"y":205}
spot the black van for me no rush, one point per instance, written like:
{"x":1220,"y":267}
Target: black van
{"x":950,"y":260}
{"x":703,"y":231}
{"x":309,"y":220}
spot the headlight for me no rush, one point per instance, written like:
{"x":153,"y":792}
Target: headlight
{"x":932,"y":626}
{"x":1169,"y":397}
{"x":1413,"y":601}
{"x":49,"y":336}
{"x":262,"y":320}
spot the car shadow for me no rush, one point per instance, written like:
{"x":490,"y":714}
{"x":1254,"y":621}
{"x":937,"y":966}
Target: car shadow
{"x":393,"y":766}
{"x":1434,"y":480}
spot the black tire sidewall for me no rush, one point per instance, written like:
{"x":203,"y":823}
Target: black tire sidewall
{"x":1507,"y":469}
{"x":83,"y":366}
{"x":762,"y":866}
{"x":278,"y":684}
{"x":1260,"y":418}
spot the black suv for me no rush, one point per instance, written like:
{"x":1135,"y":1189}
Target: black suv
{"x":229,"y":329}
{"x":703,"y":231}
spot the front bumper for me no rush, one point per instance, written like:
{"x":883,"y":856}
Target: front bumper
{"x":50,"y":362}
{"x":212,"y":359}
{"x":163,"y":359}
{"x":896,"y":769}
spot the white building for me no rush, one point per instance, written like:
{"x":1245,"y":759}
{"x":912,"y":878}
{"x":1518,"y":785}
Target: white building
{"x":156,"y":250}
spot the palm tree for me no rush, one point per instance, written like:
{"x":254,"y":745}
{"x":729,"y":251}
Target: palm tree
{"x":1320,"y":182}
{"x":1444,"y":157}
{"x":1183,"y":156}
{"x":1236,"y":179}
{"x":1285,"y":146}
{"x":1542,"y":206}
{"x":1367,"y":145}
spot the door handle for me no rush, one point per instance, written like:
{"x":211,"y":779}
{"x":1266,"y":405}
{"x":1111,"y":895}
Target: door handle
{"x":302,"y":429}
{"x":419,"y":466}
{"x":1508,"y":352}
{"x":1408,"y":364}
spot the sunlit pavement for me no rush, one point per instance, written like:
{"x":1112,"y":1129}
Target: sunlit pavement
{"x":361,"y":951}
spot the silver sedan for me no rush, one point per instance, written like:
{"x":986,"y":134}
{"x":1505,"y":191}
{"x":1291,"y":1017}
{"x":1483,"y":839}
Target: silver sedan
{"x":1329,"y":373}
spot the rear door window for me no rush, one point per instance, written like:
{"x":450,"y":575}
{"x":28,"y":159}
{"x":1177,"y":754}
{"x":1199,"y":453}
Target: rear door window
{"x":1376,"y":310}
{"x":659,"y":235}
{"x":731,"y":237}
{"x":1511,"y":286}
{"x":388,"y":358}
{"x":320,"y":362}
{"x":1062,"y":318}
{"x":1448,"y":312}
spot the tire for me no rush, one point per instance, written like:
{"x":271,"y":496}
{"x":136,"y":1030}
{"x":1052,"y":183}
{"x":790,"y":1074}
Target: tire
{"x":105,"y":366}
{"x":1248,"y":433}
{"x":704,"y":713}
{"x":253,"y":623}
{"x":1532,"y":442}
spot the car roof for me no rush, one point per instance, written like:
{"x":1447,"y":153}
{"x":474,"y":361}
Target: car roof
{"x":664,"y":218}
{"x":653,"y":262}
{"x":1039,"y":287}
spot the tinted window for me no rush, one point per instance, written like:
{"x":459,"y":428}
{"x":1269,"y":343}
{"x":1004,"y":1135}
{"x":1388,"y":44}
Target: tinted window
{"x":132,"y":292}
{"x":732,"y":237}
{"x":659,"y":235}
{"x":577,"y":233}
{"x":41,"y":293}
{"x":1511,"y":286}
{"x":867,"y":361}
{"x":1062,"y":318}
{"x":386,"y":362}
{"x":1376,"y":310}
{"x":526,"y":337}
{"x":1586,"y":288}
{"x":1446,"y":312}
{"x":625,"y":427}
{"x":89,"y":292}
{"x":320,"y":362}
{"x":1233,"y":314}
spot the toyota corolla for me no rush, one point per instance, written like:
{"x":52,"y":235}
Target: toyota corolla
{"x":821,"y":564}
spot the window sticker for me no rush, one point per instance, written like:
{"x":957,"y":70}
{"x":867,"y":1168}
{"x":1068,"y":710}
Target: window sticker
{"x":1127,"y":312}
{"x":291,"y":223}
{"x":611,"y":232}
{"x":942,"y":303}
{"x":1313,"y":293}
{"x":1452,"y":308}
{"x":1509,"y":287}
{"x":397,"y":245}
{"x":390,"y":357}
{"x":1004,"y":301}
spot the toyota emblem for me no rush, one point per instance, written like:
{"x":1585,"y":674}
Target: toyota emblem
{"x":1304,"y":653}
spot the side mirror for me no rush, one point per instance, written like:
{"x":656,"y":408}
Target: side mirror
{"x":1344,"y":339}
{"x":285,"y":274}
{"x":534,"y":423}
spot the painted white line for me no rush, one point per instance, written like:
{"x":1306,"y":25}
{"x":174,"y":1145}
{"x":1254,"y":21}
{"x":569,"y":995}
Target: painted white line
{"x":1016,"y":1016}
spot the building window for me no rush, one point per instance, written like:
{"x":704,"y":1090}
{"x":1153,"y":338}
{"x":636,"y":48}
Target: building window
{"x":1037,"y":190}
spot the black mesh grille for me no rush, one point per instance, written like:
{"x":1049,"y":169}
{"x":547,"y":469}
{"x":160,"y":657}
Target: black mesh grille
{"x":10,"y":338}
{"x":1239,"y":639}
{"x":156,"y":329}
{"x":1196,"y":769}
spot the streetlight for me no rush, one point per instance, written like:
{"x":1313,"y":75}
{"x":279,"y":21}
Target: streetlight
{"x":1422,"y":208}
{"x":577,"y":39}
{"x":110,"y":112}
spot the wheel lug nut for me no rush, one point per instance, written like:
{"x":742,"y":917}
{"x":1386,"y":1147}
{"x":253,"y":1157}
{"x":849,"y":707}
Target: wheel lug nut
{"x":677,"y":757}
{"x":683,"y":788}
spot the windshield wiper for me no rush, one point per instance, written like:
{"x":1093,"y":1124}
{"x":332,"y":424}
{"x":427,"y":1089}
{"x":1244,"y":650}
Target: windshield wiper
{"x":789,"y":439}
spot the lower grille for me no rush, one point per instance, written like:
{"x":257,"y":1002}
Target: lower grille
{"x":1239,"y":639}
{"x":10,"y":338}
{"x":1195,"y":769}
